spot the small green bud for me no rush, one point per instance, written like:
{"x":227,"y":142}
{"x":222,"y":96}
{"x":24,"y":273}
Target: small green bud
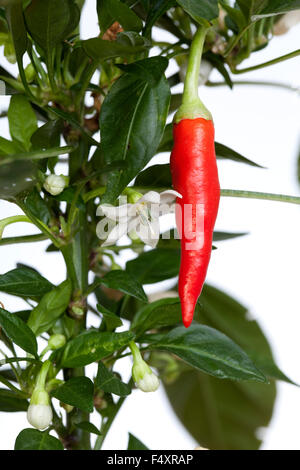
{"x":56,"y":341}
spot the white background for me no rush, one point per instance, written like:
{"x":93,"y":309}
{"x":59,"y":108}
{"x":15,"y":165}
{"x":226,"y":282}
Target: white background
{"x":261,"y":270}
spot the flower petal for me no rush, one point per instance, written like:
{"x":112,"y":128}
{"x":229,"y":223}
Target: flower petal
{"x":151,"y":197}
{"x":168,"y":197}
{"x":116,"y":233}
{"x":116,"y":213}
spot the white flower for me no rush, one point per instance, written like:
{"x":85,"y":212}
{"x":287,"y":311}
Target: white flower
{"x":142,"y":217}
{"x":55,"y":184}
{"x":39,"y":416}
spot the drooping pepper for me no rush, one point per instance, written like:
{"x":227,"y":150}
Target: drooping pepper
{"x":195,"y":177}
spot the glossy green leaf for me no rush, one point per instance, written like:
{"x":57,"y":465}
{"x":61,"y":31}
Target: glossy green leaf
{"x":135,"y":444}
{"x":124,"y":282}
{"x":107,"y":381}
{"x":92,"y":346}
{"x":51,"y":21}
{"x":210,"y":351}
{"x":18,"y":332}
{"x":226,"y":153}
{"x":111,"y":319}
{"x":88,"y":427}
{"x":221,"y":414}
{"x":275,"y":7}
{"x":126,"y":44}
{"x":156,"y":176}
{"x":110,"y":11}
{"x":221,"y":236}
{"x":48,"y":135}
{"x":157,"y":9}
{"x":11,"y":402}
{"x":21,"y":129}
{"x":32,"y":439}
{"x":149,"y":70}
{"x":50,"y":308}
{"x":24,"y":282}
{"x":219,"y":310}
{"x":134,"y":134}
{"x":155,"y":265}
{"x":206,"y":9}
{"x":36,"y":154}
{"x":7,"y":147}
{"x":15,"y":18}
{"x":163,"y":312}
{"x":78,"y":391}
{"x":38,"y":207}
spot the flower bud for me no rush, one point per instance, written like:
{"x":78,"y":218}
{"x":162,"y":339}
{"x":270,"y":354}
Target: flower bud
{"x":144,"y":377}
{"x":39,"y":413}
{"x":55,"y":184}
{"x":66,"y":407}
{"x":56,"y":341}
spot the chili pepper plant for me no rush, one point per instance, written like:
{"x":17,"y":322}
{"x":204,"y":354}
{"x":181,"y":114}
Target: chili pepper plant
{"x":86,"y":117}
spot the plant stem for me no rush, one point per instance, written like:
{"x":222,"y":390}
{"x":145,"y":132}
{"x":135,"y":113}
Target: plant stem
{"x":258,"y":195}
{"x":107,"y":425}
{"x":285,"y":86}
{"x":266,"y":64}
{"x":24,"y":239}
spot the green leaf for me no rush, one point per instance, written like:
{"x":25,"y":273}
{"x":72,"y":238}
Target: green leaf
{"x":88,"y":427}
{"x":149,"y":70}
{"x":156,"y":176}
{"x":159,"y":8}
{"x":11,"y":402}
{"x":24,"y":282}
{"x":92,"y":346}
{"x":48,"y":135}
{"x":107,"y":381}
{"x":134,"y":134}
{"x":221,"y":236}
{"x":163,"y":312}
{"x":126,"y":44}
{"x":7,"y":146}
{"x":111,"y":319}
{"x":226,"y":153}
{"x":37,"y":206}
{"x":15,"y":18}
{"x":21,"y":129}
{"x":18,"y":332}
{"x":32,"y":439}
{"x":135,"y":444}
{"x":275,"y":7}
{"x":51,"y":21}
{"x":155,"y":265}
{"x":50,"y":308}
{"x":124,"y":282}
{"x":219,"y":310}
{"x":221,"y":414}
{"x":37,"y":154}
{"x":206,"y":9}
{"x":110,"y":11}
{"x":210,"y":351}
{"x":78,"y":392}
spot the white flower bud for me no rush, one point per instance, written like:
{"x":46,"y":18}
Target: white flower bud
{"x":55,"y":184}
{"x":39,"y":416}
{"x":39,"y":413}
{"x":149,"y":383}
{"x":144,"y":377}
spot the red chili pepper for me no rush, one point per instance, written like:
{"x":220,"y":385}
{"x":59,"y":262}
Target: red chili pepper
{"x":195,"y":177}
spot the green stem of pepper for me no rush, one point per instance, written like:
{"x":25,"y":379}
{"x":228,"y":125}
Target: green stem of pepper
{"x":192,"y":107}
